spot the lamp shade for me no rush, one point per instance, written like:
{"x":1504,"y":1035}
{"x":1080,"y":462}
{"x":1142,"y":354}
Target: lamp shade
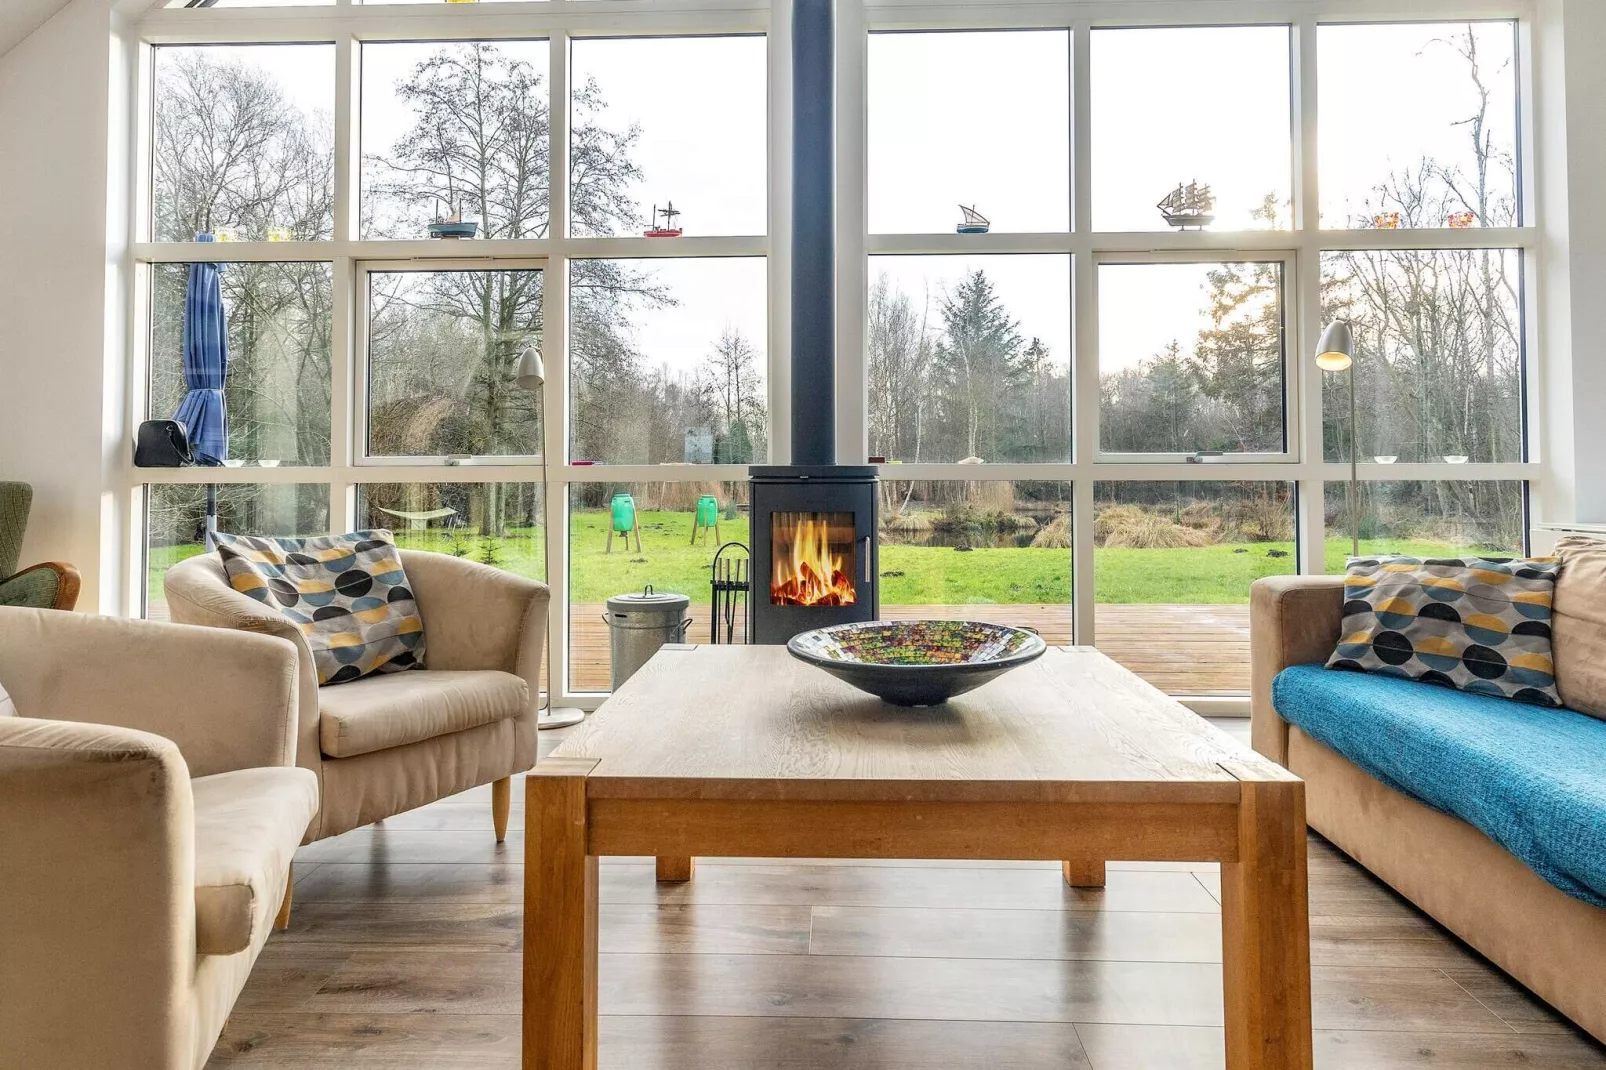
{"x":531,"y":371}
{"x":1336,"y":350}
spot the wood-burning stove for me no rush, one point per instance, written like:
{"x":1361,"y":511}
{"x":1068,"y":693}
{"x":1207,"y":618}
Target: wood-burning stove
{"x":814,"y":551}
{"x":815,"y":559}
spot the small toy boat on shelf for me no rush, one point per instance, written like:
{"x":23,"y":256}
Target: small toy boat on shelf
{"x":668,"y":230}
{"x":1189,"y":207}
{"x":974,"y":222}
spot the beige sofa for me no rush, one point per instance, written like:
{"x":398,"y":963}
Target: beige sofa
{"x":390,"y":742}
{"x":149,"y":809}
{"x":1551,"y":942}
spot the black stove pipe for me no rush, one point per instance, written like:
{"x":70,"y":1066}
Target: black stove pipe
{"x":813,"y":234}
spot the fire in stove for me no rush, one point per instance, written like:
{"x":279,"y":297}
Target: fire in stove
{"x":812,"y":559}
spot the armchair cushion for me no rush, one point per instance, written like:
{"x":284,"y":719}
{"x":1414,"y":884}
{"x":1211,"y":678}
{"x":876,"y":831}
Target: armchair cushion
{"x":247,"y":826}
{"x":347,"y":593}
{"x":381,"y":712}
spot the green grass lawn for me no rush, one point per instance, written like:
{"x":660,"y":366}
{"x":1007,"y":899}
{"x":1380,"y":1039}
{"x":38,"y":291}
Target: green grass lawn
{"x":921,"y":575}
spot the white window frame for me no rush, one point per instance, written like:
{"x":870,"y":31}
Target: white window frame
{"x":1292,"y":366}
{"x":362,"y":411}
{"x":347,"y":25}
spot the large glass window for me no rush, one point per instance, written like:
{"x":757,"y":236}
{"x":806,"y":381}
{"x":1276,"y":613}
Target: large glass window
{"x":624,"y":536}
{"x":1191,"y":358}
{"x":667,"y":361}
{"x":277,"y":389}
{"x":1172,"y":565}
{"x":994,"y":138}
{"x":176,"y":521}
{"x":1438,"y":355}
{"x":990,"y":550}
{"x":1188,"y":109}
{"x":396,"y":352}
{"x":661,"y":123}
{"x":455,"y":133}
{"x":496,"y":524}
{"x":969,"y":357}
{"x":1418,"y":125}
{"x":1427,"y":518}
{"x":443,"y":354}
{"x":243,"y":142}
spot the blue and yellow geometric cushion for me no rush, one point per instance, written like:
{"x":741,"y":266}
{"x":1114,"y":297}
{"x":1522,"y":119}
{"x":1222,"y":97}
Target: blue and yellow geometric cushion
{"x":347,"y":593}
{"x":1474,"y":624}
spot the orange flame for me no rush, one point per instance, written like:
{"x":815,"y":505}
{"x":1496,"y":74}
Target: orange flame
{"x":806,"y":571}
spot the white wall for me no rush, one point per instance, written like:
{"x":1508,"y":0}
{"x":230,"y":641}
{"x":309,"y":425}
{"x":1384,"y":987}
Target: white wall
{"x":61,"y":247}
{"x":63,"y":331}
{"x":1570,"y":86}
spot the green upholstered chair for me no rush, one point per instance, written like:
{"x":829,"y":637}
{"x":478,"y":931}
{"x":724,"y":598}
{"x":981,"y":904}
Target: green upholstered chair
{"x":52,"y":585}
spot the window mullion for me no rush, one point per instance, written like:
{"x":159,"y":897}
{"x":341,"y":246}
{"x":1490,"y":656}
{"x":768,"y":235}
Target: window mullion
{"x":852,"y":272}
{"x":348,"y":137}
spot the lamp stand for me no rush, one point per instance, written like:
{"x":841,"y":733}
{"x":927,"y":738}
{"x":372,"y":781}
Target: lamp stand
{"x":1354,"y":489}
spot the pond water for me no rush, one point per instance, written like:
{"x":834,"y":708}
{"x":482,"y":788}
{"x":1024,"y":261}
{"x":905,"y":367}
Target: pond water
{"x":976,"y":537}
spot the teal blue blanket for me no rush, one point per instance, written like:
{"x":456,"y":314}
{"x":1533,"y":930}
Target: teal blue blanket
{"x":1533,"y":779}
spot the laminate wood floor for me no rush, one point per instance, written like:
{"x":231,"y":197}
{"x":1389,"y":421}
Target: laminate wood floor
{"x":403,"y":952}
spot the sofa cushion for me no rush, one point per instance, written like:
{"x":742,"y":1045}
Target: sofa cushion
{"x":1530,"y":778}
{"x":1474,"y":624}
{"x":248,"y":824}
{"x":380,"y":712}
{"x":1579,"y":624}
{"x":347,"y":593}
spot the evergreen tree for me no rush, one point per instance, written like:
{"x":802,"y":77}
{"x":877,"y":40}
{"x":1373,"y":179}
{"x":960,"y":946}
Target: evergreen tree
{"x":979,"y":364}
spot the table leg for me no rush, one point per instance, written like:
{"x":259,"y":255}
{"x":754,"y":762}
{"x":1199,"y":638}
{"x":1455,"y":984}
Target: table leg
{"x":675,"y":869}
{"x":1265,"y":927}
{"x":560,"y":922}
{"x":1083,"y":872}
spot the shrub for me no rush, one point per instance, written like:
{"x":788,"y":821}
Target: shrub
{"x":1054,"y":535}
{"x":908,"y":522}
{"x":1152,"y":532}
{"x":954,"y":520}
{"x":1200,"y":515}
{"x":1263,"y":517}
{"x":1111,"y":517}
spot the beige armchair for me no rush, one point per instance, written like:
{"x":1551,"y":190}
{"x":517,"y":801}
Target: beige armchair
{"x":387,"y":743}
{"x":149,"y":810}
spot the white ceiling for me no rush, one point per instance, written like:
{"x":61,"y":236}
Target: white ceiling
{"x":19,"y":18}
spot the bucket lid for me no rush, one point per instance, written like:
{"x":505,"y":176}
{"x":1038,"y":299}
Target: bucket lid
{"x":647,"y":599}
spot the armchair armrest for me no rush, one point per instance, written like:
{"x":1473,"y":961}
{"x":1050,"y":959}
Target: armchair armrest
{"x":52,"y":585}
{"x":198,"y":592}
{"x":97,"y":895}
{"x":478,"y":617}
{"x":1293,"y":620}
{"x":227,"y":700}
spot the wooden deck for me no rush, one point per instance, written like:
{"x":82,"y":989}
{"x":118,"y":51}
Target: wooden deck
{"x":1182,"y":650}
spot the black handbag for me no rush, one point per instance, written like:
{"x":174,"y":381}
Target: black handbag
{"x":162,"y":444}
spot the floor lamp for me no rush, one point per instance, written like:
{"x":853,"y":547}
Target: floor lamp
{"x":1336,"y":353}
{"x":531,"y":375}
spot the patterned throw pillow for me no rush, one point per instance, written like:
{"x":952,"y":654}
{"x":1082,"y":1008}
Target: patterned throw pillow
{"x":347,"y":592}
{"x":1474,"y":624}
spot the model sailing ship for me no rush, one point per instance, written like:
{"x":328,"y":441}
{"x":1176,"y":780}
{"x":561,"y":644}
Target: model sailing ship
{"x":1189,"y":207}
{"x":974,"y":222}
{"x":668,"y":230}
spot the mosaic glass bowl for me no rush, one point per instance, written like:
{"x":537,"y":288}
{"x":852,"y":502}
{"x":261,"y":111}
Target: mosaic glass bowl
{"x":917,"y":662}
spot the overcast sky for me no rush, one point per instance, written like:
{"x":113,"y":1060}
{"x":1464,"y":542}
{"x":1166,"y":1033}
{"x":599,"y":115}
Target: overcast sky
{"x":984,"y":119}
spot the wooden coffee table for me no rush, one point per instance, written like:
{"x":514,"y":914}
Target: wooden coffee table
{"x":742,"y":750}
